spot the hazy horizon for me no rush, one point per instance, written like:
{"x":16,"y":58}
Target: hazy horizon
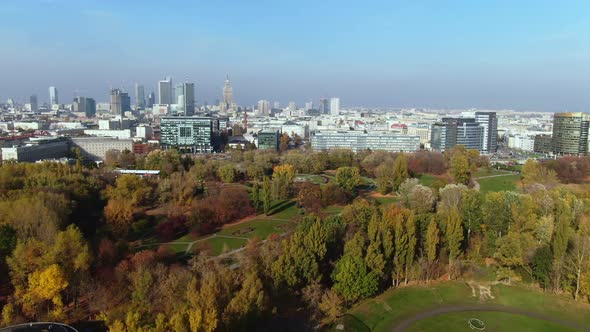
{"x":530,"y":55}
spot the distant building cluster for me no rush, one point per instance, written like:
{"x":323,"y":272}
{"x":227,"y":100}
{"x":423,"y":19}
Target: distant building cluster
{"x":170,"y":118}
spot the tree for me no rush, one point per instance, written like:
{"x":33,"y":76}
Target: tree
{"x":282,"y":180}
{"x":353,"y":280}
{"x":421,"y":199}
{"x":509,"y":254}
{"x":471,"y":202}
{"x":227,"y":173}
{"x":348,"y":178}
{"x":533,"y":172}
{"x":44,"y":286}
{"x":331,"y":304}
{"x":131,"y":188}
{"x":401,"y":248}
{"x":284,"y":143}
{"x":375,"y":257}
{"x":400,"y":171}
{"x":256,"y":196}
{"x":405,"y":190}
{"x":245,"y":305}
{"x":432,"y":240}
{"x":454,"y":237}
{"x":541,"y":266}
{"x":119,"y":214}
{"x":7,"y":240}
{"x":410,"y":226}
{"x":266,"y":195}
{"x":460,"y":169}
{"x":577,"y":261}
{"x":559,"y":244}
{"x":384,"y":175}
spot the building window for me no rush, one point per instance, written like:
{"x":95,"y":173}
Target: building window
{"x":186,"y":132}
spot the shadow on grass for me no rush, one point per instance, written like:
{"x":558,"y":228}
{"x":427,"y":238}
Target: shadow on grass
{"x":350,"y":323}
{"x":280,"y":207}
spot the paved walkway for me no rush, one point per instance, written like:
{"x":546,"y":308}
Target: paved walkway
{"x":402,"y":326}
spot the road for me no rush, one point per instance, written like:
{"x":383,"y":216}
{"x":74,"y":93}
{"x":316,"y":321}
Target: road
{"x":483,"y":307}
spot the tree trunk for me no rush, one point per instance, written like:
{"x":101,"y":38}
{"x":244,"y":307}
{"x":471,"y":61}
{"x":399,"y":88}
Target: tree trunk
{"x":578,"y":276}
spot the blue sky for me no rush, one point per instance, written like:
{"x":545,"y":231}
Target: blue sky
{"x":528,"y":55}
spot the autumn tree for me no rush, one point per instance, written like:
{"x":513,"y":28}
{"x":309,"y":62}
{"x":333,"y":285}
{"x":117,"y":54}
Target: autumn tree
{"x":460,"y":169}
{"x":400,"y":171}
{"x":256,"y":196}
{"x":282,"y":181}
{"x":227,"y":173}
{"x":454,"y":237}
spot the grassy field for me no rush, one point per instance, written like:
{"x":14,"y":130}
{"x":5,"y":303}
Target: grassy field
{"x":385,"y":311}
{"x":499,"y":183}
{"x":260,"y":228}
{"x":494,"y":321}
{"x":426,"y":179}
{"x":385,"y":200}
{"x":488,"y":172}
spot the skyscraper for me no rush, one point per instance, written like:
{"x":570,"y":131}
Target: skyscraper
{"x":178,"y":94}
{"x":228,"y":97}
{"x":151,"y":100}
{"x":263,"y":107}
{"x":308,"y":105}
{"x":53,"y":98}
{"x":292,"y":107}
{"x":85,"y":105}
{"x":189,"y":98}
{"x":165,"y":93}
{"x":324,"y":107}
{"x":489,"y":122}
{"x":276,"y":104}
{"x":120,"y":102}
{"x":335,"y":106}
{"x":139,"y":96}
{"x":570,"y":133}
{"x":34,"y":103}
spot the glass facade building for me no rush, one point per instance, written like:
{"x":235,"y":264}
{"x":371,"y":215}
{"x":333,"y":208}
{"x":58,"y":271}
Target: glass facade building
{"x":187,"y":134}
{"x":457,"y":131}
{"x":268,"y":139}
{"x":570,"y":133}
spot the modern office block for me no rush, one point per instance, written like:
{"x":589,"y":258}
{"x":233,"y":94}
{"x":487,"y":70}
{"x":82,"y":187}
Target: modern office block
{"x":570,"y":133}
{"x":360,"y":140}
{"x":191,"y":134}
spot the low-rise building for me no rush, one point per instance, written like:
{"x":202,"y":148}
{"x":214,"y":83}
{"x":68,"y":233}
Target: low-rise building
{"x":37,"y":149}
{"x":95,"y":148}
{"x":359,"y":141}
{"x":268,"y":139}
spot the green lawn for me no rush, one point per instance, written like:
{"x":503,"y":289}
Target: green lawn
{"x":494,"y":321}
{"x":386,"y":310}
{"x":426,"y":179}
{"x":488,"y":171}
{"x":284,"y":210}
{"x":260,"y":228}
{"x":219,"y":244}
{"x":333,"y":210}
{"x":499,"y":183}
{"x":386,"y":200}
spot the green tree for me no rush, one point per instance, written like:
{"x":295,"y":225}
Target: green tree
{"x":454,"y":237}
{"x":400,"y":171}
{"x":375,"y":257}
{"x":431,"y":245}
{"x":401,"y":248}
{"x":227,"y":173}
{"x":541,"y":266}
{"x":471,"y":202}
{"x":7,"y":240}
{"x":348,"y":178}
{"x":410,"y":226}
{"x":256,"y":196}
{"x":266,"y":195}
{"x":560,"y":243}
{"x":353,"y":280}
{"x":460,"y":169}
{"x":509,"y":254}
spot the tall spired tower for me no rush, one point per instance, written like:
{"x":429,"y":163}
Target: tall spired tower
{"x":227,"y":104}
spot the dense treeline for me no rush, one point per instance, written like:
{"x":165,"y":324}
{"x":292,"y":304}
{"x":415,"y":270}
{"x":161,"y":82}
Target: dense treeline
{"x":68,"y":233}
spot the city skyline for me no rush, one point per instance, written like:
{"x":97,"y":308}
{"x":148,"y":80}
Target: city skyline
{"x":534,"y":55}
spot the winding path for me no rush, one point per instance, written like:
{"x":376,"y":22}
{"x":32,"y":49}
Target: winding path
{"x":402,"y":326}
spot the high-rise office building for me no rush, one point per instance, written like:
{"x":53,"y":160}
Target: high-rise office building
{"x":308,"y":105}
{"x":263,"y":107}
{"x":120,"y":102}
{"x":292,"y":107}
{"x":324,"y":106}
{"x":335,"y":106}
{"x":570,"y":133}
{"x":34,"y":103}
{"x":276,"y":105}
{"x":165,"y":93}
{"x":85,"y":105}
{"x":178,"y":94}
{"x":151,"y":100}
{"x":189,"y":98}
{"x":139,"y":96}
{"x":456,"y":131}
{"x":53,"y":97}
{"x":489,"y":122}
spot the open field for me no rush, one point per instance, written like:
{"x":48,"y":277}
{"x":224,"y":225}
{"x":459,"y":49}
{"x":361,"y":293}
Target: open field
{"x":392,"y":308}
{"x":489,"y":171}
{"x":499,"y":183}
{"x":426,"y":179}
